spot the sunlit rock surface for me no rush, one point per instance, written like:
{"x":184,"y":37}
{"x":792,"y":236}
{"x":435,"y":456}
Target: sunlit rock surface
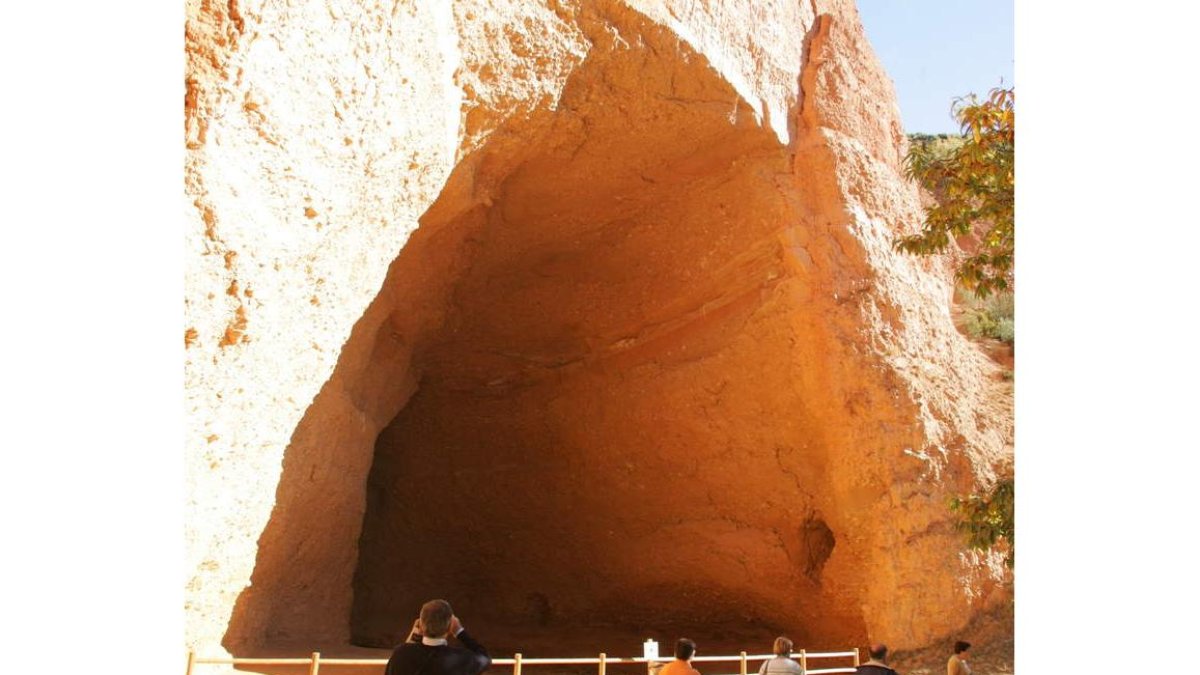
{"x":583,"y":315}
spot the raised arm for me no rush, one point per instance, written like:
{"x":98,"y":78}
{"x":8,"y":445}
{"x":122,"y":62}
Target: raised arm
{"x":481,"y":661}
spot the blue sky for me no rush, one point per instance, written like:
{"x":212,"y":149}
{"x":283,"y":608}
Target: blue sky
{"x":936,"y":50}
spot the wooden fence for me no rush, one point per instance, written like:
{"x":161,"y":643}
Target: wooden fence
{"x":518,"y":662}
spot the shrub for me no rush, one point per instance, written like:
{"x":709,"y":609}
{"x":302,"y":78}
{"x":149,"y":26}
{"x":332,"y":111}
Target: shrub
{"x":986,"y":519}
{"x":1005,"y":331}
{"x":1000,"y":306}
{"x":978,"y":324}
{"x":992,"y":317}
{"x":941,"y":146}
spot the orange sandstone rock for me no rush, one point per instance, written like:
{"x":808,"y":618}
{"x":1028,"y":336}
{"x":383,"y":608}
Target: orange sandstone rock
{"x":610,"y":339}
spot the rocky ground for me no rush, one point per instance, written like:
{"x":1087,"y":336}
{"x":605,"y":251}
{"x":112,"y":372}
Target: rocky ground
{"x":991,"y":653}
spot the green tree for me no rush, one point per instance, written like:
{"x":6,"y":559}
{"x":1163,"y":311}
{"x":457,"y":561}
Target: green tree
{"x":988,"y":519}
{"x":973,"y":185}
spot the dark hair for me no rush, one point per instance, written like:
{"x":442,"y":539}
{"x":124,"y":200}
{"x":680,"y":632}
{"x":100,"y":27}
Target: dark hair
{"x":960,"y":647}
{"x":684,"y":648}
{"x":878,"y":651}
{"x":435,"y":618}
{"x":783,"y":646}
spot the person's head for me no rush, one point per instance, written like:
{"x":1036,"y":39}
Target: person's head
{"x":435,"y":618}
{"x":960,"y":647}
{"x":783,"y":646}
{"x":684,"y":649}
{"x":878,"y":651}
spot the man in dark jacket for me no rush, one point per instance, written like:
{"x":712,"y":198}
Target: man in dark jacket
{"x":878,"y":663}
{"x":426,"y":651}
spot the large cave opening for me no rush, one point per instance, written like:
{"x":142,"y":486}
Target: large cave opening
{"x":609,"y":437}
{"x":587,"y":406}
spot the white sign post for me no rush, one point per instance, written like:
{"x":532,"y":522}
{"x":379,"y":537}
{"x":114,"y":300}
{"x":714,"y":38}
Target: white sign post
{"x":650,"y":650}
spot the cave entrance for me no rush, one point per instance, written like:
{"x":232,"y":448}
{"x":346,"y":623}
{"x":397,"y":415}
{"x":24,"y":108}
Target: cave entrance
{"x":605,"y":428}
{"x":595,"y":441}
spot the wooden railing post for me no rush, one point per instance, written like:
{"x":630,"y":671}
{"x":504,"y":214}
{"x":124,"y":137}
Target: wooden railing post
{"x":517,"y":663}
{"x":316,"y":663}
{"x":803,"y":662}
{"x":191,"y":661}
{"x":856,"y":664}
{"x":603,"y":664}
{"x":743,"y":671}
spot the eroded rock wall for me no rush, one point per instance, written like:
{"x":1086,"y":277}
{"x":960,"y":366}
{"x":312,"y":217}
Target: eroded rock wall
{"x":314,"y":142}
{"x":652,"y":289}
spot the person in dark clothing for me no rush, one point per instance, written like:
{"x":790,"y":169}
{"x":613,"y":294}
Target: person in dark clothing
{"x":878,"y":663}
{"x":426,"y":651}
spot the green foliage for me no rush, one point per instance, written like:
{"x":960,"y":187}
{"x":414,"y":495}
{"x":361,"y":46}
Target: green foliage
{"x":987,"y":519}
{"x":978,"y":325}
{"x":991,"y":318}
{"x":1001,"y":305}
{"x":973,"y":182}
{"x":1005,"y":331}
{"x":939,"y":146}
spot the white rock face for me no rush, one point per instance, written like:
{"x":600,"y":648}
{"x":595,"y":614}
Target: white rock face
{"x":317,"y":135}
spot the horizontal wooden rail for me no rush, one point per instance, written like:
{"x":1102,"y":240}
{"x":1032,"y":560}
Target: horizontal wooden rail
{"x":661,"y":659}
{"x":500,"y":662}
{"x":238,"y":661}
{"x":518,"y":661}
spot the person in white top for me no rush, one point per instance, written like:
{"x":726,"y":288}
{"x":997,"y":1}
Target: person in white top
{"x":782,"y":664}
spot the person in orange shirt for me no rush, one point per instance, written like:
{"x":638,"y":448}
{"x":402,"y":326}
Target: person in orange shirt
{"x":685,"y":649}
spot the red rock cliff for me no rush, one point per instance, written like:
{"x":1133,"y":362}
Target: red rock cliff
{"x":582,"y":315}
